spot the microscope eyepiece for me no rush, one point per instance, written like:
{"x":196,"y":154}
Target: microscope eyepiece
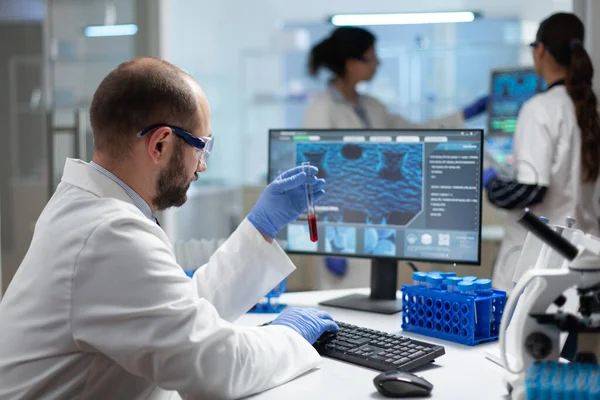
{"x":533,"y":223}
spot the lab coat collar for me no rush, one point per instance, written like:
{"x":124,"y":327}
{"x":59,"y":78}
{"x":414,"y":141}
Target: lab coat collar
{"x":80,"y":174}
{"x":338,"y":97}
{"x":560,"y":82}
{"x":360,"y":110}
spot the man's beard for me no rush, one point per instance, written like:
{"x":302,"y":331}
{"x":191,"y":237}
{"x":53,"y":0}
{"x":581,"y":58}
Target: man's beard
{"x":173,"y":184}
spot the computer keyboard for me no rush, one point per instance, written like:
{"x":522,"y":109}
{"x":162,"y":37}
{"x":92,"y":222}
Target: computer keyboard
{"x":375,"y":349}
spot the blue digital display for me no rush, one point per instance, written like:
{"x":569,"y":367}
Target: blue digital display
{"x":401,"y":194}
{"x":510,"y":89}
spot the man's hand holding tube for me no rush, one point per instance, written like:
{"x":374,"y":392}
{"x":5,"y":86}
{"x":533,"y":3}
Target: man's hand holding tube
{"x":284,"y":199}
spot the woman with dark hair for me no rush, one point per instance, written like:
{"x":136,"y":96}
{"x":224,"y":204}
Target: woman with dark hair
{"x":349,"y":53}
{"x":556,"y":144}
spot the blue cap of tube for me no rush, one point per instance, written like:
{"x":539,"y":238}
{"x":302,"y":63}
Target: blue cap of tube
{"x":469,"y":278}
{"x":453,"y":280}
{"x":483,"y":284}
{"x":435,"y":273}
{"x":466,"y":286}
{"x":545,"y":220}
{"x":448,"y":274}
{"x":435,"y":279}
{"x":419,"y":276}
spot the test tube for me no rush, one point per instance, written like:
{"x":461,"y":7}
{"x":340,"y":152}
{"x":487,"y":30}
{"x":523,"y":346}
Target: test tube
{"x":452,"y":283}
{"x":466,"y":288}
{"x":446,"y":275}
{"x":483,"y":287}
{"x":310,"y":207}
{"x":434,"y":281}
{"x":419,"y":278}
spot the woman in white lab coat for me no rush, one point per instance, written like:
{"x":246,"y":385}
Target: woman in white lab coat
{"x":556,"y":144}
{"x":349,"y":54}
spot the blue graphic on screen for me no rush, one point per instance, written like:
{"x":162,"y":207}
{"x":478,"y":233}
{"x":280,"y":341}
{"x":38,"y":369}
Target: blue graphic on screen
{"x":510,"y":89}
{"x":340,"y":239}
{"x":365,"y":181}
{"x":380,"y":242}
{"x":299,"y":239}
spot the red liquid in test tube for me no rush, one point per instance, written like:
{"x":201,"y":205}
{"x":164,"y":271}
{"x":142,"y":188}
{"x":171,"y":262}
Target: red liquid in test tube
{"x":310,"y":210}
{"x":312,"y":228}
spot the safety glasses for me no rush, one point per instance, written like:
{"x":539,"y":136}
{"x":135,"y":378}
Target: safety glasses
{"x":202,"y":145}
{"x":370,"y":59}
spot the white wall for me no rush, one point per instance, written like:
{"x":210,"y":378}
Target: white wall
{"x":81,"y":62}
{"x":590,"y":10}
{"x":210,"y":32}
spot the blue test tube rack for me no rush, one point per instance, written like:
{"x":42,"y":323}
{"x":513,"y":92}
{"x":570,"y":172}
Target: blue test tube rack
{"x":452,"y":316}
{"x":267,"y":306}
{"x":556,"y":380}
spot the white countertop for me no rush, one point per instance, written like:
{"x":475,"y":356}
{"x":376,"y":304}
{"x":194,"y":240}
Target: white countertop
{"x":462,"y":373}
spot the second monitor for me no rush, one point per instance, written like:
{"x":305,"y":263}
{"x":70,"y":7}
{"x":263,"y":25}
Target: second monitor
{"x":390,"y":195}
{"x":510,"y":88}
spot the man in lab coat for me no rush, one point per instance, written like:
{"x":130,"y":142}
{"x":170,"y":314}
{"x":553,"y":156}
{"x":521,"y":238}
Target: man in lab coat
{"x":99,"y":308}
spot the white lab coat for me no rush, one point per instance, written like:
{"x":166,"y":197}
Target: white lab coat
{"x":547,"y":152}
{"x":329,"y":111}
{"x":99,"y":308}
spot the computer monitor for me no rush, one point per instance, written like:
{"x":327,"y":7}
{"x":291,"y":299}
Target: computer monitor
{"x":390,"y":195}
{"x":510,"y":88}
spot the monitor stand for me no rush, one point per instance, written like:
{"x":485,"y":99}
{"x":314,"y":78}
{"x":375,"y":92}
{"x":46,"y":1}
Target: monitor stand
{"x":384,"y":285}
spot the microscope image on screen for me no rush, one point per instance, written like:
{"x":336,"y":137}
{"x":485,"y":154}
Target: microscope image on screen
{"x":514,"y":90}
{"x":380,"y":242}
{"x":510,"y":90}
{"x":340,"y":239}
{"x":299,"y":239}
{"x":365,"y":181}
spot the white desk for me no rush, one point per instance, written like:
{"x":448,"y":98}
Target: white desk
{"x":462,"y":373}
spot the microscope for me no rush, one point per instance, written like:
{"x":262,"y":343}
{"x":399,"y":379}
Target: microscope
{"x":535,"y":254}
{"x":536,"y":329}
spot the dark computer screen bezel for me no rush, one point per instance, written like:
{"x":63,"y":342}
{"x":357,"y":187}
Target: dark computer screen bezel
{"x":365,"y":256}
{"x":493,"y":74}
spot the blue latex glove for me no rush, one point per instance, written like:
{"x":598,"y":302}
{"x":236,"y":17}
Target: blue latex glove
{"x":284,"y":199}
{"x":337,"y":266}
{"x":488,"y":175}
{"x":308,"y":322}
{"x":476,"y":108}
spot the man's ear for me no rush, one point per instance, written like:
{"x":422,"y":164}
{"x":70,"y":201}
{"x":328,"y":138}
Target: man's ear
{"x":158,"y":142}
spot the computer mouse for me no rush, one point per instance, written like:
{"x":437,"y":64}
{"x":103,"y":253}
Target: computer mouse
{"x":402,"y":384}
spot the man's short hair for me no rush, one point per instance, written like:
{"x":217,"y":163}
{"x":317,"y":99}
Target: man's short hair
{"x":139,"y":93}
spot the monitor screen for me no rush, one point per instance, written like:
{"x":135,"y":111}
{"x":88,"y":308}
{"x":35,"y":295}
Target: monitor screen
{"x":404,"y":194}
{"x":510,"y":88}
